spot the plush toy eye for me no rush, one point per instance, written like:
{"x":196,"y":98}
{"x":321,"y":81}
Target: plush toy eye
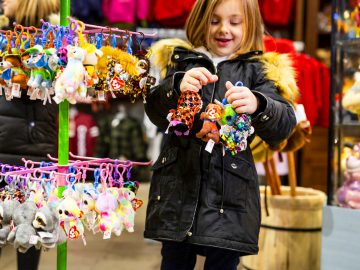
{"x":60,"y":211}
{"x":86,"y":202}
{"x":66,"y":212}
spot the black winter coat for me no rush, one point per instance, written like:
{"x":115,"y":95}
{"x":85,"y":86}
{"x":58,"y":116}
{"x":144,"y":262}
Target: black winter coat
{"x":211,"y":199}
{"x":27,"y":129}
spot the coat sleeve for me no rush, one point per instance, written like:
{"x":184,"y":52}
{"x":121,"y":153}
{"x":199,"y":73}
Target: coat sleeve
{"x":276,"y":118}
{"x":162,"y":98}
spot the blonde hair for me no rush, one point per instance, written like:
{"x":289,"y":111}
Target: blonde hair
{"x":198,"y":22}
{"x":29,"y":12}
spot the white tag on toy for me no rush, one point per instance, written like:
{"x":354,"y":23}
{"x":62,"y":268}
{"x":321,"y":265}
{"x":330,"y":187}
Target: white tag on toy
{"x":15,"y":90}
{"x":210,"y":145}
{"x":101,"y":95}
{"x":1,"y":90}
{"x":30,"y":91}
{"x":107,"y":234}
{"x":33,"y":239}
{"x":45,"y":235}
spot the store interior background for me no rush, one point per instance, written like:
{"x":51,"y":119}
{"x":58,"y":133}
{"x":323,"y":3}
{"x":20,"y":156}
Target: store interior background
{"x":304,"y":23}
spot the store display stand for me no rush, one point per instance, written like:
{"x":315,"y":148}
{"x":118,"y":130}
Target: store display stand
{"x":63,"y":141}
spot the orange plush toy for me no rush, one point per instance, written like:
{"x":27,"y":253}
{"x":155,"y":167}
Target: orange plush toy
{"x":209,"y":129}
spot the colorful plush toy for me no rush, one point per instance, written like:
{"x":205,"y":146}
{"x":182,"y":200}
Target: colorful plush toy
{"x":109,"y":220}
{"x":125,"y":209}
{"x":210,"y":129}
{"x":70,"y":218}
{"x":7,"y":209}
{"x":71,"y":82}
{"x":13,"y":72}
{"x":235,"y":128}
{"x":23,"y":232}
{"x":182,"y":119}
{"x":88,"y":206}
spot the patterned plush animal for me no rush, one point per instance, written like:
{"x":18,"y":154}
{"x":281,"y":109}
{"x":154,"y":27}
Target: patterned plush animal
{"x":182,"y":119}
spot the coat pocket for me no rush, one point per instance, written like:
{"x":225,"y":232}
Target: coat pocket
{"x":228,"y":183}
{"x":164,"y":197}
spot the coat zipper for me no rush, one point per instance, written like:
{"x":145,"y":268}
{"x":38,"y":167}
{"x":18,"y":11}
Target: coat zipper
{"x":189,"y":233}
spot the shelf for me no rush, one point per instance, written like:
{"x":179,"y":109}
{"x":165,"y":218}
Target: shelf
{"x":349,"y":129}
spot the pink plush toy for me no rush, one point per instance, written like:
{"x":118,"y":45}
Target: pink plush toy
{"x":109,"y":220}
{"x":126,"y":210}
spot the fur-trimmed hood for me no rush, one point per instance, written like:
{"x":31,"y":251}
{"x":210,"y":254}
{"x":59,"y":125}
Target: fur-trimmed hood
{"x":277,"y":67}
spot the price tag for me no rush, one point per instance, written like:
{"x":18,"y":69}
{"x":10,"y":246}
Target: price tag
{"x":45,"y":235}
{"x":101,"y":95}
{"x":33,"y":239}
{"x":116,"y":83}
{"x":107,"y":234}
{"x":30,"y":91}
{"x":15,"y":90}
{"x":209,"y":146}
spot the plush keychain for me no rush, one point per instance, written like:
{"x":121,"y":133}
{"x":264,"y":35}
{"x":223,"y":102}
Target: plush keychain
{"x":23,"y":233}
{"x":140,"y":84}
{"x":46,"y":223}
{"x":70,"y":218}
{"x":7,"y":209}
{"x":87,"y":205}
{"x":125,"y":209}
{"x":209,"y":130}
{"x":235,"y":128}
{"x":182,"y":119}
{"x":109,"y":220}
{"x":71,"y":82}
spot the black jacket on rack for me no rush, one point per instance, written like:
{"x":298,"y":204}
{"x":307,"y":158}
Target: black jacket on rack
{"x":211,"y":199}
{"x":27,"y":129}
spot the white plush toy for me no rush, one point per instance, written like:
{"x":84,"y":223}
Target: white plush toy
{"x":71,"y":82}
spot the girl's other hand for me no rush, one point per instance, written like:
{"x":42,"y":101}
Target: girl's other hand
{"x":195,"y":78}
{"x":241,"y":98}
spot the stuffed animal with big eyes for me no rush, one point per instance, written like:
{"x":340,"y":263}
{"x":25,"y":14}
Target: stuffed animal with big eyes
{"x":140,"y":84}
{"x":88,"y":206}
{"x":70,"y":218}
{"x":209,"y":129}
{"x":47,"y":226}
{"x":12,"y":70}
{"x":7,"y":209}
{"x":23,"y":231}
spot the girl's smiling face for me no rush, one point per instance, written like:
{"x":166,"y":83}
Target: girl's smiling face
{"x":225,"y":30}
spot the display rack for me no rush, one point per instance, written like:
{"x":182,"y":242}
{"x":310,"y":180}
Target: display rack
{"x":340,"y":230}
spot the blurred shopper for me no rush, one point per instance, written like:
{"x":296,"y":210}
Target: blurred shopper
{"x":27,"y":127}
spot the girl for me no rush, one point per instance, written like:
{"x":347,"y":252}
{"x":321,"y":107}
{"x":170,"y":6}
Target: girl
{"x":208,"y":203}
{"x":37,"y":122}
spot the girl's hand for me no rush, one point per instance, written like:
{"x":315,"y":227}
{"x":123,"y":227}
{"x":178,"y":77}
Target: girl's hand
{"x":241,"y":98}
{"x":195,"y":78}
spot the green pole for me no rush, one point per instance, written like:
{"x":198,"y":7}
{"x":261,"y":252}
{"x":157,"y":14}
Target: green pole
{"x":63,"y":140}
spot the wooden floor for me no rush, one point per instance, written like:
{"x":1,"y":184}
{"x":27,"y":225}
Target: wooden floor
{"x":127,"y":252}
